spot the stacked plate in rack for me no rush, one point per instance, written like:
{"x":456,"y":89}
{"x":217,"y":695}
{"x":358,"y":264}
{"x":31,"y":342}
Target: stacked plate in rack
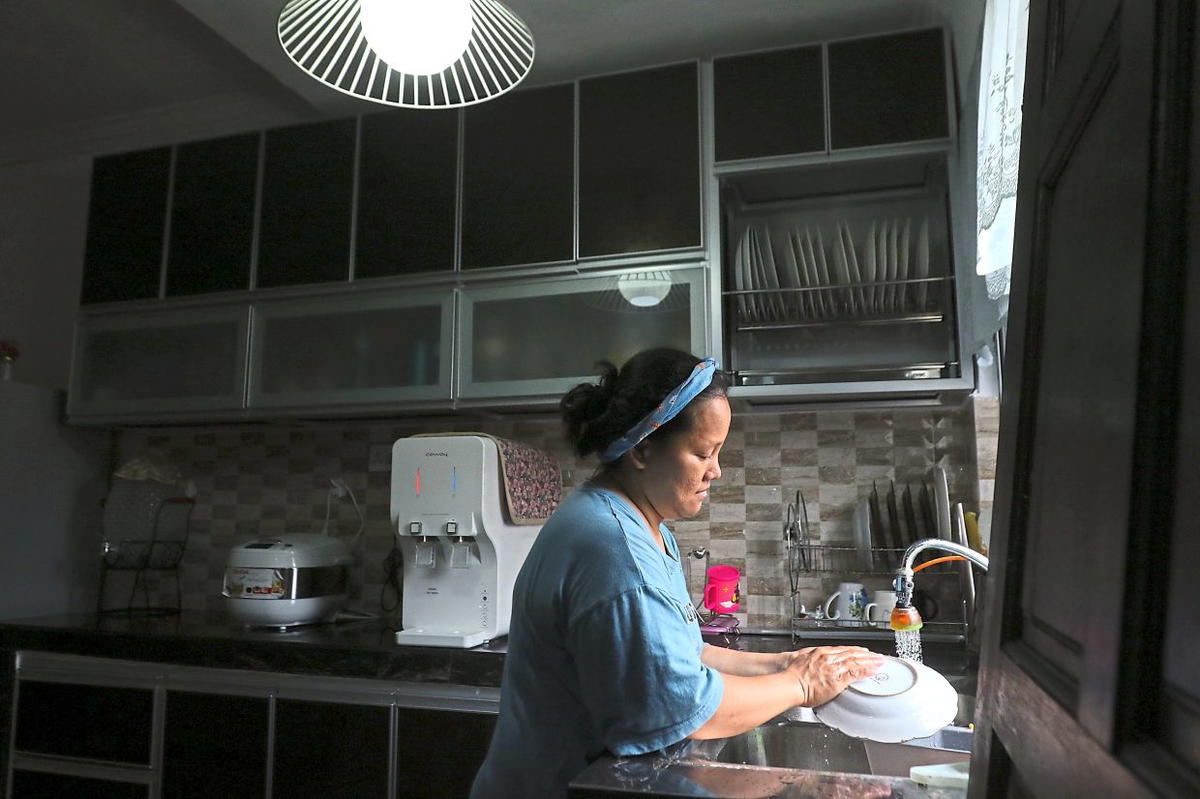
{"x":811,"y":282}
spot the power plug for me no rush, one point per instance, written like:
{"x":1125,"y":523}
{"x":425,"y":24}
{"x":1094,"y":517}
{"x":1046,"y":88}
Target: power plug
{"x":338,"y":487}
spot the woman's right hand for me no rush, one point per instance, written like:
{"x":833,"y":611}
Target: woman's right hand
{"x":823,"y":672}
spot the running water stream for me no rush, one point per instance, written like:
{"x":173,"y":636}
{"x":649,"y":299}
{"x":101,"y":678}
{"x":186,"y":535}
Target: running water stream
{"x":908,"y":645}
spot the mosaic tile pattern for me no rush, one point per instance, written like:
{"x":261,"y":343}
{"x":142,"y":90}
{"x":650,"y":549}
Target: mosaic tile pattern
{"x":275,"y":479}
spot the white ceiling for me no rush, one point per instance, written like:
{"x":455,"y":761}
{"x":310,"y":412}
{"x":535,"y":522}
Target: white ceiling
{"x":90,"y":76}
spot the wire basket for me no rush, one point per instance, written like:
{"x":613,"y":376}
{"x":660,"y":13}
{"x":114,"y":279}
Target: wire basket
{"x":145,"y":525}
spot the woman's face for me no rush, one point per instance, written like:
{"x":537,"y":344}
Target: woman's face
{"x":676,"y":472}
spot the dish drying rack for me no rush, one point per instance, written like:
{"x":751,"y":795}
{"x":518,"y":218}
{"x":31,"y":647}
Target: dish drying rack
{"x":787,"y":275}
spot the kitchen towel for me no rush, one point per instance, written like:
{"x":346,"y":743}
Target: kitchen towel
{"x":530,"y":476}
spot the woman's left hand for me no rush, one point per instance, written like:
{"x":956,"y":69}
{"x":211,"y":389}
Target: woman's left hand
{"x":825,"y":671}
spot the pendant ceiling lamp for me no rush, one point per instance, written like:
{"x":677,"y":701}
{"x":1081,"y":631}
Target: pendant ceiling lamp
{"x":409,"y":53}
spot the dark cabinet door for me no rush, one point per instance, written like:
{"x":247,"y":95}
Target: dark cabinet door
{"x":324,"y":750}
{"x":639,"y":162}
{"x":40,"y":785}
{"x":212,"y":215}
{"x":518,"y":179}
{"x":308,"y":177}
{"x":85,"y":721}
{"x":215,"y":746}
{"x":887,"y":89}
{"x":408,"y":164}
{"x":1087,"y":685}
{"x":126,"y":218}
{"x":463,"y":736}
{"x":769,"y":103}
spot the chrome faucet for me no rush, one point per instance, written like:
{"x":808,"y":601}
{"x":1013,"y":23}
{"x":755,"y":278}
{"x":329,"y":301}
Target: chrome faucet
{"x":904,"y":575}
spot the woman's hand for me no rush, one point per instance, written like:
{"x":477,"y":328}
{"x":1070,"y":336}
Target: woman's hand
{"x":822,"y":672}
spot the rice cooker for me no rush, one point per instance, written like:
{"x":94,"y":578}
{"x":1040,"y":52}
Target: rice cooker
{"x":287,"y":580}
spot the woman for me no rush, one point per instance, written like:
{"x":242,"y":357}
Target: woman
{"x":604,"y":651}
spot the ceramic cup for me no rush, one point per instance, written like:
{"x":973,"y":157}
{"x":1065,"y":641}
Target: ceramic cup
{"x":879,"y":610}
{"x":851,"y":601}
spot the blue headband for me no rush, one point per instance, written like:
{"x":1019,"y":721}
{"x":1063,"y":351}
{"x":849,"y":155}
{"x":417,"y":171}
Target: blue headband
{"x":667,"y":410}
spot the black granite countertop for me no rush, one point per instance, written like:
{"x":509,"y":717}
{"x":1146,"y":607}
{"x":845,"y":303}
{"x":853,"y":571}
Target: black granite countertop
{"x":364,"y":649}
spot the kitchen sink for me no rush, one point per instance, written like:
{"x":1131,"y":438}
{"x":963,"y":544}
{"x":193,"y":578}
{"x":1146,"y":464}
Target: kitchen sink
{"x":802,"y":745}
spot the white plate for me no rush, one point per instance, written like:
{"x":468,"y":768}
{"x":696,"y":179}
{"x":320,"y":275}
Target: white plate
{"x":902,"y":701}
{"x":881,"y":267}
{"x":893,"y":264}
{"x":862,"y":534}
{"x":839,"y":275}
{"x":816,"y":256}
{"x":791,"y":273}
{"x":769,"y":269}
{"x":811,"y":278}
{"x":905,"y":243}
{"x":868,"y":275}
{"x":922,"y":264}
{"x":846,"y":242}
{"x":941,"y":502}
{"x":739,"y":280}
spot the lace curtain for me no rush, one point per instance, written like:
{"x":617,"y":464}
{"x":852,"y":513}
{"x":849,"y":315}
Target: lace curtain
{"x":1001,"y":87}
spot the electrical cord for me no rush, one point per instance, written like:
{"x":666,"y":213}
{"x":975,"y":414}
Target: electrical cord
{"x":393,"y":567}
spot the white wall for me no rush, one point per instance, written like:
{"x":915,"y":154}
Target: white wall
{"x":51,"y":481}
{"x":43,"y":224}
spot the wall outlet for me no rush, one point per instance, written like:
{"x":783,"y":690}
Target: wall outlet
{"x":379,"y":458}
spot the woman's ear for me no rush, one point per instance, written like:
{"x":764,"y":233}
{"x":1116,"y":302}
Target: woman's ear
{"x":637,"y":455}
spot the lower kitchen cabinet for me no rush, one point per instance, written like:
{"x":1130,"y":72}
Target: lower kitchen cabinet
{"x":324,"y":749}
{"x":215,"y":745}
{"x":462,"y":743}
{"x":98,"y":727}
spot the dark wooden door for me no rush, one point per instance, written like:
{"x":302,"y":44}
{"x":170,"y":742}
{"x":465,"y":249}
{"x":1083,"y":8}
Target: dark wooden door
{"x":1087,"y":685}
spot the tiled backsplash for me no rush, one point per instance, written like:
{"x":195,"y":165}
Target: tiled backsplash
{"x":273,"y":479}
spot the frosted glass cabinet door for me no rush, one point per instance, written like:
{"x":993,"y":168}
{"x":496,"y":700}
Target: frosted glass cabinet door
{"x":351,"y":349}
{"x":542,"y":337}
{"x":164,"y":361}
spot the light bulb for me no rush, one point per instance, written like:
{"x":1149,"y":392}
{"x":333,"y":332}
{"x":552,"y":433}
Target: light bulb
{"x":644,"y":290}
{"x":417,"y":37}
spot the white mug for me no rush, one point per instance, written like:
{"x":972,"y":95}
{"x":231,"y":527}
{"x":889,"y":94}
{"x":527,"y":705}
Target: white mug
{"x":879,"y":609}
{"x":851,"y":602}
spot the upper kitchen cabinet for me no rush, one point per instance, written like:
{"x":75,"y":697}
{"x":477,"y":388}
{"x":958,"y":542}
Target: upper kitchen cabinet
{"x":519,"y":179}
{"x":888,"y":89}
{"x":351,"y":349}
{"x":839,"y":281}
{"x":307,"y":193}
{"x":123,"y":258}
{"x":527,"y":339}
{"x":407,"y":174}
{"x":212,"y":215}
{"x":768,"y":104}
{"x":639,"y":162}
{"x":160,"y":362}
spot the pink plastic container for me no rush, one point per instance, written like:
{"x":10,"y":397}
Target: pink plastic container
{"x":721,"y":591}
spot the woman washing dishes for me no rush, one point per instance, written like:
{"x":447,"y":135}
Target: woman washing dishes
{"x":604,"y":651}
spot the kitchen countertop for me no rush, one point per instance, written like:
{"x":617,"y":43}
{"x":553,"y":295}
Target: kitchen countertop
{"x":364,"y":649}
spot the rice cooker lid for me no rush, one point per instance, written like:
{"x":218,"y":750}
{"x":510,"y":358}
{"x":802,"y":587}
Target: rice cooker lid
{"x":292,"y":551}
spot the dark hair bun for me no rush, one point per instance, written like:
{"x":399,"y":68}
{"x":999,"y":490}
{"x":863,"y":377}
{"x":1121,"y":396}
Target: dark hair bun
{"x":586,"y":403}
